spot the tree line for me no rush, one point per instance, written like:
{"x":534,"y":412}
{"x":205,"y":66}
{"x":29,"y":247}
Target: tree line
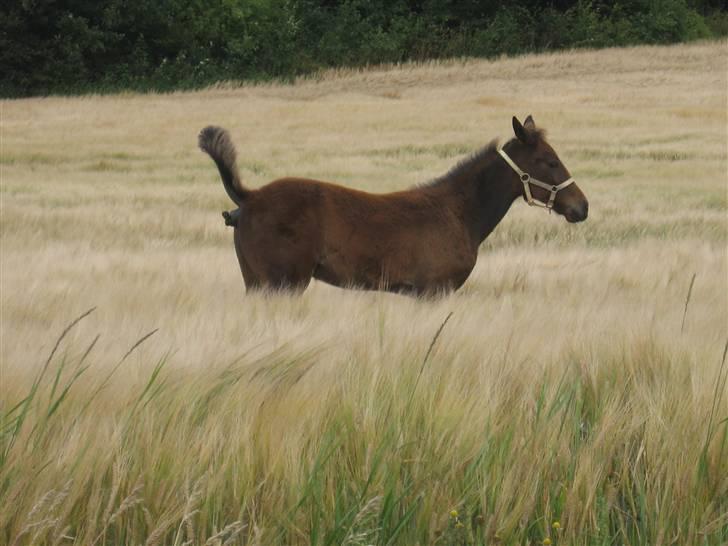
{"x":77,"y":46}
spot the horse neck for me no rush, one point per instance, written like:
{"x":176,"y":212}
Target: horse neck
{"x":480,"y":193}
{"x":483,"y":196}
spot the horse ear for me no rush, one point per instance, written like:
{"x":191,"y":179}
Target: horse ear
{"x":520,"y":131}
{"x":529,"y":123}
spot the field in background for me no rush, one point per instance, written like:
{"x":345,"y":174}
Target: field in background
{"x":564,"y":388}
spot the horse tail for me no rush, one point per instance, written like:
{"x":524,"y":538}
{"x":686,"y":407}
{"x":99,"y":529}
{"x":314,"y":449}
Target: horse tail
{"x":216,"y":142}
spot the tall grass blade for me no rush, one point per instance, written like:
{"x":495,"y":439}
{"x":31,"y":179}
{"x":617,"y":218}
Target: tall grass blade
{"x":427,"y":356}
{"x":9,"y":436}
{"x":108,"y":377}
{"x":720,"y":385}
{"x":687,"y":302}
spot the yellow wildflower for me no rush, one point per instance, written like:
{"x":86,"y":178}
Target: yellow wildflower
{"x":547,"y":541}
{"x":454,"y":513}
{"x":556,"y":525}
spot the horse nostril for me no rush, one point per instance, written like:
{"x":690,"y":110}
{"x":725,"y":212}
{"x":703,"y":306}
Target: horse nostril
{"x":585,"y":210}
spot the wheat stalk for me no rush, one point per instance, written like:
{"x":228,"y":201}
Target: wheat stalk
{"x":193,"y":494}
{"x":115,"y":482}
{"x":366,"y":511}
{"x":28,"y":527}
{"x":132,"y":499}
{"x":158,"y":533}
{"x":62,"y":535}
{"x":45,"y":508}
{"x":228,"y":533}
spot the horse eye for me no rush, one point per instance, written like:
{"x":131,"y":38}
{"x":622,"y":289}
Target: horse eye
{"x":553,"y":164}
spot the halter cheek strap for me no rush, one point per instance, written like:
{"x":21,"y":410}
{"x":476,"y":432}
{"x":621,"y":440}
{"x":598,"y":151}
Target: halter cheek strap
{"x":528,"y":180}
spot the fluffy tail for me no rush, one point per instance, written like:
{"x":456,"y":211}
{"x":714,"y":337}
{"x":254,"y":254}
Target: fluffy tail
{"x":216,"y":142}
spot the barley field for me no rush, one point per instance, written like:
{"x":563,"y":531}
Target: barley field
{"x":573,"y":392}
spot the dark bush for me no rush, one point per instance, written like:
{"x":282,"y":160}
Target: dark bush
{"x":76,"y":46}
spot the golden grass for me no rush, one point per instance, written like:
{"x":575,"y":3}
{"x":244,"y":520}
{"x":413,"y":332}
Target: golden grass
{"x":562,"y":388}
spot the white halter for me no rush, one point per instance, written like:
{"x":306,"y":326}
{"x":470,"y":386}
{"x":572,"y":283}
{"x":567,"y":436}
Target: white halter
{"x":526,"y":179}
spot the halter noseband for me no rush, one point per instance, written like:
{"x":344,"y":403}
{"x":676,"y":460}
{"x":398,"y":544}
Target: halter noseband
{"x":527,"y":179}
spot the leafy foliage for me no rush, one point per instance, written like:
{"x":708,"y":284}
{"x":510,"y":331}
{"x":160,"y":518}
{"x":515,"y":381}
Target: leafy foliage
{"x":70,"y":46}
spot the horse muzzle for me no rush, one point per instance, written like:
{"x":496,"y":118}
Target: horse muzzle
{"x":577,"y":213}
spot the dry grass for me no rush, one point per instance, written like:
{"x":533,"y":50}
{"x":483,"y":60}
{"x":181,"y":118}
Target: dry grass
{"x":564,"y":387}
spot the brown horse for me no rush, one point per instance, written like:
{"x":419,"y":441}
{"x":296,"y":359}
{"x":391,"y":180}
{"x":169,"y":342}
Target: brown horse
{"x":419,"y":241}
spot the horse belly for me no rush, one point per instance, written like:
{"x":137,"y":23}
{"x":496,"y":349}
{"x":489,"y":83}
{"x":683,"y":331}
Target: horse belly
{"x":324,"y":273}
{"x":347,"y":268}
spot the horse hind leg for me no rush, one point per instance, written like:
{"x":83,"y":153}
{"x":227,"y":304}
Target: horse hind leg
{"x":251,"y":279}
{"x":275,"y":279}
{"x":277,"y":269}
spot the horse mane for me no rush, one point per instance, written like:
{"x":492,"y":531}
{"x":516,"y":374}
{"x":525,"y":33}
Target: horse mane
{"x":476,"y":161}
{"x":466,"y":167}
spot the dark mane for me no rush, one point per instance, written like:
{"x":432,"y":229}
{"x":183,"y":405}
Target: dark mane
{"x":476,"y":161}
{"x":465,"y":167}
